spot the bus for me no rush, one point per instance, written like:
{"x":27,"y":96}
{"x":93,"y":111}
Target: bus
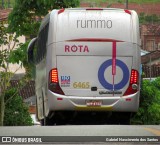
{"x":86,"y":59}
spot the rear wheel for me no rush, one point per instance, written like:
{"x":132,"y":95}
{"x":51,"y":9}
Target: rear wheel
{"x":59,"y":118}
{"x":49,"y":120}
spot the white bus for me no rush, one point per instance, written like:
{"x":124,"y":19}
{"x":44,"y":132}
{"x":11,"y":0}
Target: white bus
{"x":86,"y":59}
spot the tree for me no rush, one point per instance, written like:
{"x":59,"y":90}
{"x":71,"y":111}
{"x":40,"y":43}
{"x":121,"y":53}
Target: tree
{"x":8,"y":55}
{"x":16,"y":112}
{"x":6,"y":46}
{"x":27,"y":14}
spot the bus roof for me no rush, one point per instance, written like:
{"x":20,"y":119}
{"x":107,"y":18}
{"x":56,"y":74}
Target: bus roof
{"x":108,"y":23}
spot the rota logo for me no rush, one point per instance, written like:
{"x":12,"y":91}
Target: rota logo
{"x":76,"y":48}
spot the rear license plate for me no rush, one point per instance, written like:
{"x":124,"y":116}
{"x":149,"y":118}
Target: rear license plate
{"x":93,"y":103}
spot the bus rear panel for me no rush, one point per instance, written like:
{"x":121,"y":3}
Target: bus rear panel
{"x":93,"y":60}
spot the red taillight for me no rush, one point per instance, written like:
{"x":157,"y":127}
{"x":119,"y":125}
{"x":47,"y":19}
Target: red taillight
{"x":134,"y":77}
{"x":133,"y":85}
{"x":54,"y":82}
{"x":54,"y":76}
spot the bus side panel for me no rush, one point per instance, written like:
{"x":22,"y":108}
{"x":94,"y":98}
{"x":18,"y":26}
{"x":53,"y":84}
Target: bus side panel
{"x":40,"y":83}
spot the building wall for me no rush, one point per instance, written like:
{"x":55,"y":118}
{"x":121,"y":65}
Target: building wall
{"x":150,"y":42}
{"x":150,"y":37}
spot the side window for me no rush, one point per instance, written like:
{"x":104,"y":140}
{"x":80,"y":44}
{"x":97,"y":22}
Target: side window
{"x":31,"y":50}
{"x":35,"y":52}
{"x":41,"y":44}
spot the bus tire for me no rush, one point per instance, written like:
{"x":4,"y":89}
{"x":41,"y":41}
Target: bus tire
{"x":48,"y":120}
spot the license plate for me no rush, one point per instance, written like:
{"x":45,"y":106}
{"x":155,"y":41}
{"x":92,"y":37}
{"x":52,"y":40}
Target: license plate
{"x":94,"y":103}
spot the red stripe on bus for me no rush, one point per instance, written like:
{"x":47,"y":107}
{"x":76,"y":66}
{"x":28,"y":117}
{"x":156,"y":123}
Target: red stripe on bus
{"x":94,"y":40}
{"x":113,"y":62}
{"x":94,"y":9}
{"x":114,"y":58}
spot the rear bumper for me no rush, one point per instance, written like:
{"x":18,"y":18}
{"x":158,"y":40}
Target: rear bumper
{"x":58,"y":102}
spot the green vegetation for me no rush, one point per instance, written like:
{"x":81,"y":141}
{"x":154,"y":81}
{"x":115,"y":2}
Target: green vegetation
{"x":8,"y":55}
{"x":146,"y":19}
{"x":7,"y":3}
{"x":27,"y":14}
{"x":16,"y":112}
{"x":149,"y":111}
{"x":6,"y":40}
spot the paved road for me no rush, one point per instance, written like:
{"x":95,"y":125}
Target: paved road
{"x":87,"y":133}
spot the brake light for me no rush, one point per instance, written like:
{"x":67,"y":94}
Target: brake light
{"x":134,"y":77}
{"x":54,"y":76}
{"x":54,"y":82}
{"x":133,"y":85}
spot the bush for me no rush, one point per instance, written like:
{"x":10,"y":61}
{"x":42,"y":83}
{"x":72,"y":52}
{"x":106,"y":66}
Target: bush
{"x":16,"y":112}
{"x":149,"y":111}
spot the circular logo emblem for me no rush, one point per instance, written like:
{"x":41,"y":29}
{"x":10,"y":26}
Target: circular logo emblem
{"x":104,"y":82}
